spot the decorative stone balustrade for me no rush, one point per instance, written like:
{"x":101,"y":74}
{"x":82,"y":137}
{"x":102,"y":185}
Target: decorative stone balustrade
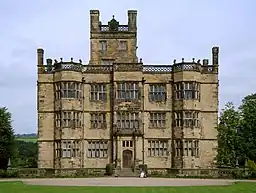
{"x":128,"y":67}
{"x":121,"y":28}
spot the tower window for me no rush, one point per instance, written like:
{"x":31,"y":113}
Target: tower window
{"x":123,"y":45}
{"x":103,"y":45}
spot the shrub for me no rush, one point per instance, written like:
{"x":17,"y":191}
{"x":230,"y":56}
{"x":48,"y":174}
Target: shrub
{"x":252,"y":169}
{"x":172,"y":172}
{"x":239,"y":174}
{"x":251,"y":165}
{"x":81,"y":173}
{"x":109,"y":169}
{"x":156,"y":174}
{"x":9,"y":174}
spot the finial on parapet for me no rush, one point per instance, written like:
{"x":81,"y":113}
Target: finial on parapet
{"x":71,"y":59}
{"x":49,"y":61}
{"x":55,"y":61}
{"x":182,"y":60}
{"x":140,"y":60}
{"x":80,"y":61}
{"x":193,"y":60}
{"x":174,"y":61}
{"x":61,"y":59}
{"x":198,"y":61}
{"x":205,"y":62}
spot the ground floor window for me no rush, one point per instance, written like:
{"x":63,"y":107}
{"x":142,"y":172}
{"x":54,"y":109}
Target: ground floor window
{"x":187,"y":148}
{"x":67,"y":148}
{"x":97,"y":149}
{"x":157,"y":148}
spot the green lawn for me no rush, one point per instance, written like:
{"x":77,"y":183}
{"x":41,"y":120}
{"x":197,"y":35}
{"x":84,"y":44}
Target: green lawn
{"x":19,"y":187}
{"x":27,"y":139}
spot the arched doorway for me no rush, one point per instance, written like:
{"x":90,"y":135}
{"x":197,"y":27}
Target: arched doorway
{"x":127,"y":158}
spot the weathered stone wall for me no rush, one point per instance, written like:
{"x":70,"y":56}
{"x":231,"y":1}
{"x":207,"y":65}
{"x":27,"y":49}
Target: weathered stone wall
{"x":48,"y":104}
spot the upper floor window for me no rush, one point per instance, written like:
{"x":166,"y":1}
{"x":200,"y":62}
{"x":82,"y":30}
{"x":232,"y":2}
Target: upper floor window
{"x":98,"y":92}
{"x":103,"y":45}
{"x":188,"y":119}
{"x":66,"y":119}
{"x":127,"y":144}
{"x":178,"y":119}
{"x":157,"y":92}
{"x":128,"y":90}
{"x":127,"y":120}
{"x":157,"y":120}
{"x":68,"y":90}
{"x":158,"y":148}
{"x":191,"y":119}
{"x":187,"y":90}
{"x":98,"y":120}
{"x":123,"y":45}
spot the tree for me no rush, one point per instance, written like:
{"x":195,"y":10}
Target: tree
{"x":6,"y":137}
{"x":27,"y":154}
{"x":227,"y":136}
{"x":247,"y":131}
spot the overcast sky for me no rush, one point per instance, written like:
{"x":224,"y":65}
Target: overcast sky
{"x":167,"y":29}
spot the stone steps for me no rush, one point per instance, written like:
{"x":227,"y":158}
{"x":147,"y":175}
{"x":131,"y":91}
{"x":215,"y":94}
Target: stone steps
{"x":125,"y":172}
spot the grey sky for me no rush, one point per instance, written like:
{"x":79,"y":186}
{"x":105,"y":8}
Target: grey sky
{"x":166,"y":30}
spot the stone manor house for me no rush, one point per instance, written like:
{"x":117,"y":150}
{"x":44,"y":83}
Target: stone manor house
{"x":115,"y":109}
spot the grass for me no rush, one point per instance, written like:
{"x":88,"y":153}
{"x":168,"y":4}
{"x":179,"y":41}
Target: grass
{"x":27,"y":139}
{"x":19,"y":187}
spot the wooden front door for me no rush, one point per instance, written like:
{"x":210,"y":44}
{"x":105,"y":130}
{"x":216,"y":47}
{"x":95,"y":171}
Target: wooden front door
{"x":127,"y":158}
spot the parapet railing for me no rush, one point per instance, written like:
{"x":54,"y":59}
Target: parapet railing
{"x":121,"y":28}
{"x":69,"y":66}
{"x":128,"y":67}
{"x":157,"y":68}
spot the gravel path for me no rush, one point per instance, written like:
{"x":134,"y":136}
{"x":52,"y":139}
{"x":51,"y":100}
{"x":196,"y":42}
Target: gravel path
{"x":125,"y":182}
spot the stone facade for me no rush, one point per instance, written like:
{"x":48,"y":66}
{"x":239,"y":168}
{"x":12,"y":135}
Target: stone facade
{"x":118,"y":110}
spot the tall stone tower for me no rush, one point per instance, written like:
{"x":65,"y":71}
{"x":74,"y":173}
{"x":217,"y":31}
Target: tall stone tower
{"x":113,"y":42}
